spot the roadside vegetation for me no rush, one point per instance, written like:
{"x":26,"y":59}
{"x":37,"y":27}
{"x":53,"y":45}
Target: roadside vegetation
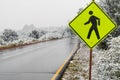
{"x":106,"y":56}
{"x":30,"y":35}
{"x":107,"y":66}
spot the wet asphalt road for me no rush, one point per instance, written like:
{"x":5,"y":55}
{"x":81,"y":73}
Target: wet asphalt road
{"x":35,"y":62}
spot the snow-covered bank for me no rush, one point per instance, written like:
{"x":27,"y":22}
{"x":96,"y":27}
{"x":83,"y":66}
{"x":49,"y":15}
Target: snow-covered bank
{"x":30,"y":34}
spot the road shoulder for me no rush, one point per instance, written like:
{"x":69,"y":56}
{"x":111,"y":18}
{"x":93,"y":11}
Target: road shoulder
{"x":78,"y":67}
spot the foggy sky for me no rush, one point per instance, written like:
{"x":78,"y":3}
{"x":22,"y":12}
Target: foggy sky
{"x":14,"y":14}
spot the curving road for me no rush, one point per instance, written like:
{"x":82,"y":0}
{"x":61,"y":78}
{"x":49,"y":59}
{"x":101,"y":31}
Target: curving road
{"x":35,"y":62}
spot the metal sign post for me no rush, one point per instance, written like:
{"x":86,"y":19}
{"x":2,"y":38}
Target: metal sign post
{"x":90,"y":64}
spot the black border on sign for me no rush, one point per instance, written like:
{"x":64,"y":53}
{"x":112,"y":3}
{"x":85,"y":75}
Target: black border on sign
{"x":101,"y":38}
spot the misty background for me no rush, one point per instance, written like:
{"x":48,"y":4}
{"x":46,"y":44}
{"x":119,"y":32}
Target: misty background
{"x":15,"y":14}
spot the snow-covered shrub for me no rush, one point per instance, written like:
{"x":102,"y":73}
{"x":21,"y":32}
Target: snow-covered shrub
{"x":108,"y":65}
{"x":9,"y":35}
{"x":112,"y":7}
{"x":1,"y":41}
{"x":50,"y":36}
{"x":31,"y":34}
{"x":42,"y":32}
{"x":34,"y":34}
{"x":104,"y":45}
{"x":20,"y":42}
{"x":68,"y":32}
{"x":37,"y":34}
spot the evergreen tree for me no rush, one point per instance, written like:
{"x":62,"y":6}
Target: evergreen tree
{"x":112,"y":8}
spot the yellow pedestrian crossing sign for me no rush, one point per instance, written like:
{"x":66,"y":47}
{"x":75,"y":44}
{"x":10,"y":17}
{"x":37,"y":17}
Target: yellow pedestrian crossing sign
{"x":92,"y":25}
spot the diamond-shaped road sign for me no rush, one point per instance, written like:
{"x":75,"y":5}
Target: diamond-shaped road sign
{"x":92,"y":25}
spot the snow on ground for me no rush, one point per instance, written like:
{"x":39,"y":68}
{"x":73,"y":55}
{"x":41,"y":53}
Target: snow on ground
{"x":78,"y":67}
{"x":105,"y":65}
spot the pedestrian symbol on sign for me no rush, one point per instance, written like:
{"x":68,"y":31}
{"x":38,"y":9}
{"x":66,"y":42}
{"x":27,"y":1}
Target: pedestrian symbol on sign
{"x":93,"y":19}
{"x":92,"y":25}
